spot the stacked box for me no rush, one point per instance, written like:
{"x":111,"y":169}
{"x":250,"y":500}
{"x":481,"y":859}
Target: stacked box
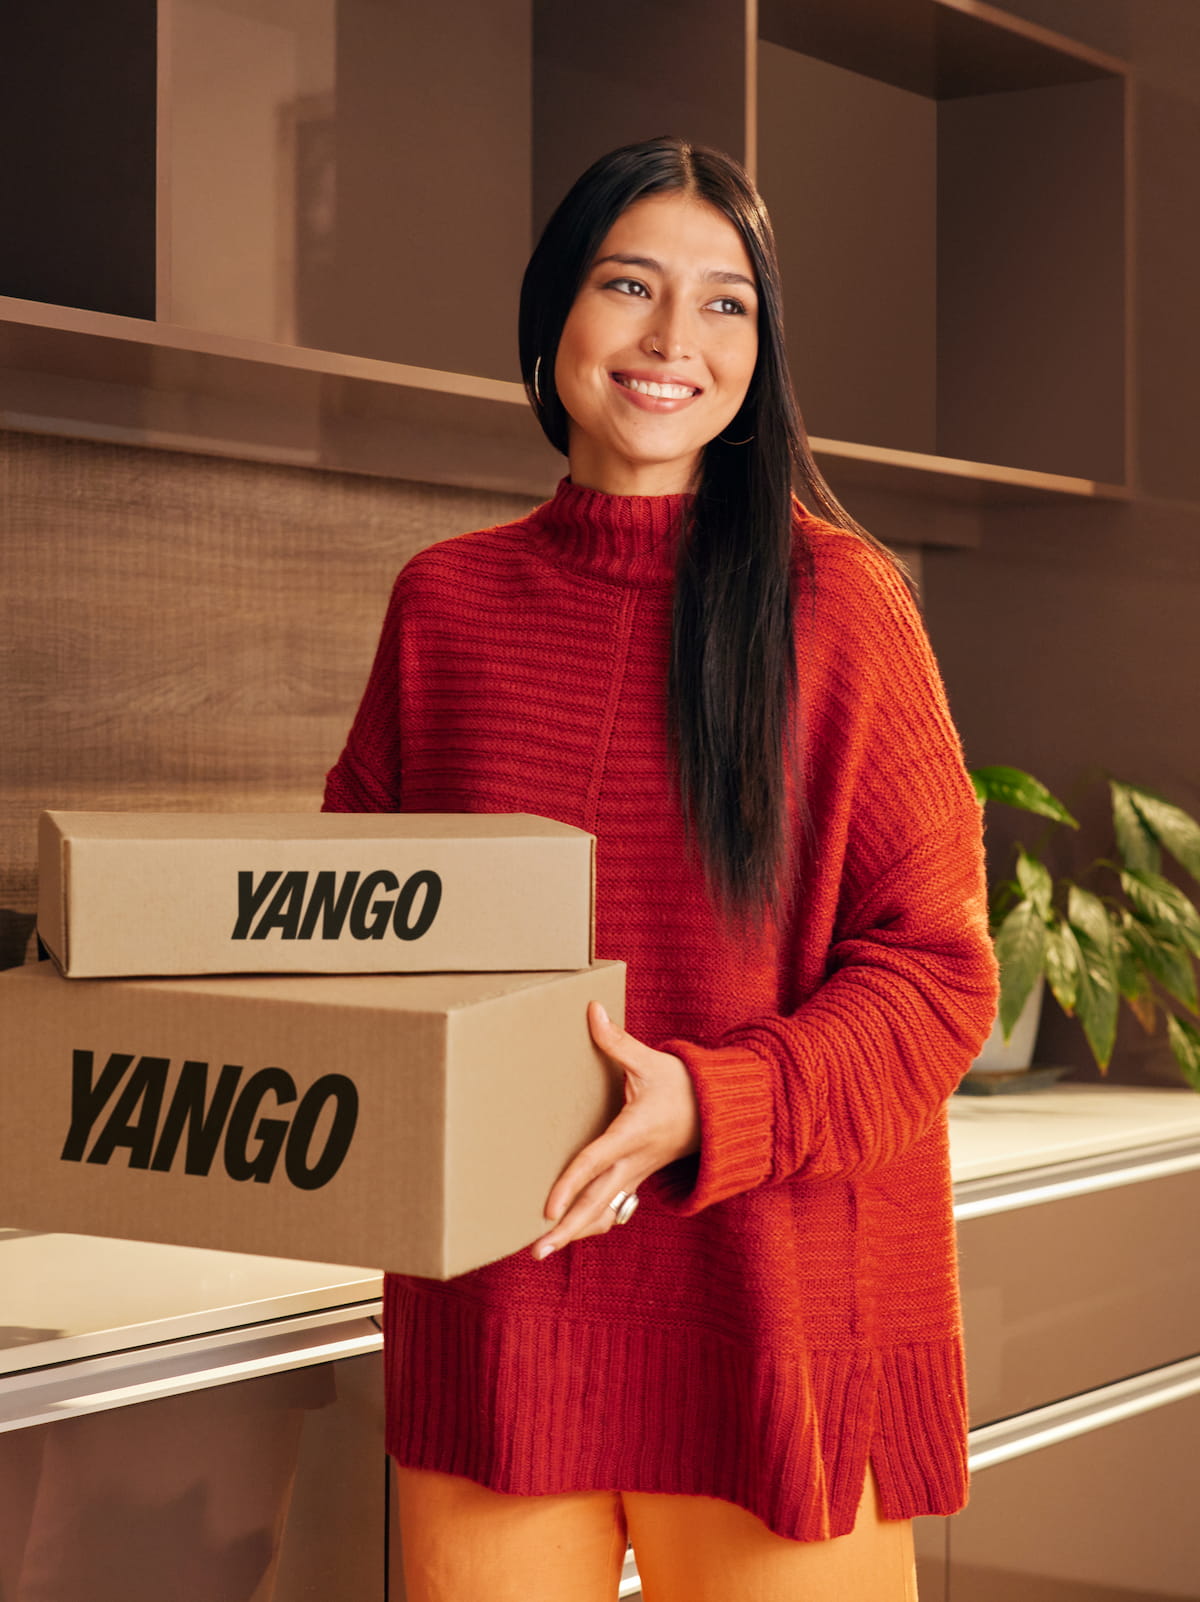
{"x":336,"y":1037}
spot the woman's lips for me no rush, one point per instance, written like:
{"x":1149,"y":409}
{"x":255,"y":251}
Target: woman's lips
{"x":654,"y":403}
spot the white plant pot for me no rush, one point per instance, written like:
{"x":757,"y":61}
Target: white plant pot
{"x":1000,"y":1056}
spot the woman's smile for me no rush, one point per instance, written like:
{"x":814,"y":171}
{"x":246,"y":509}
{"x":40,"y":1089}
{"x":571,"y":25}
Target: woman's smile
{"x":656,"y":394}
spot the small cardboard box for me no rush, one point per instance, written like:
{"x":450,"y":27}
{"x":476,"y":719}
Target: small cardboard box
{"x":125,"y":893}
{"x":411,"y":1122}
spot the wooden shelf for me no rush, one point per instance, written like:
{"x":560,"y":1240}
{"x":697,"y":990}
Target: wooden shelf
{"x":943,"y":49}
{"x":947,"y":478}
{"x":97,"y":376}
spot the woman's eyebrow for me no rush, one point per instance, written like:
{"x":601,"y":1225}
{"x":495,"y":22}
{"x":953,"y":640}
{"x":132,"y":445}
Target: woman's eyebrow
{"x":714,"y":275}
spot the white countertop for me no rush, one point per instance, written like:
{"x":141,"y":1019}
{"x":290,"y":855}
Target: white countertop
{"x":70,"y":1297}
{"x":66,"y":1297}
{"x":992,"y":1135}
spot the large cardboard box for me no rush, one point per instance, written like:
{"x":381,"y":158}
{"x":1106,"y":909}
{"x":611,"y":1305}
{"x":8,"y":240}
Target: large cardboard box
{"x":406,"y":1122}
{"x":125,"y":893}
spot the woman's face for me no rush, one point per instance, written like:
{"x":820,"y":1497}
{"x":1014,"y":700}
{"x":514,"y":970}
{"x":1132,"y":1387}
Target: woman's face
{"x":669,"y":299}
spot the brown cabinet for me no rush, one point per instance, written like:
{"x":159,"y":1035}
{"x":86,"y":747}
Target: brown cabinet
{"x":1081,"y":1303}
{"x":324,"y":210}
{"x":1107,"y":1514}
{"x":267,"y":1489}
{"x":1064,"y":1296}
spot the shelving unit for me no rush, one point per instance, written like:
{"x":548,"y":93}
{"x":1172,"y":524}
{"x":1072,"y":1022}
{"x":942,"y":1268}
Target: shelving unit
{"x":99,"y":376}
{"x":336,"y":269}
{"x":947,"y":186}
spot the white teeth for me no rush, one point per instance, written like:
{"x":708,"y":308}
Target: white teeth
{"x":659,"y":391}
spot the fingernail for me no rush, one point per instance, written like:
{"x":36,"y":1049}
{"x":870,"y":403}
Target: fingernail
{"x":604,"y":1018}
{"x":544,"y":1252}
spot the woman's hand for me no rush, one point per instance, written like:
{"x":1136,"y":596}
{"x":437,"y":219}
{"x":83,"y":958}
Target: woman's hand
{"x":659,"y":1122}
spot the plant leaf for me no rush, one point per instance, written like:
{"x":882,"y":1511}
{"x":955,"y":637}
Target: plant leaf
{"x":1164,"y":906}
{"x":1099,"y":996}
{"x":1016,"y":788}
{"x":1165,"y":961}
{"x":1003,"y":896}
{"x":1020,"y":943}
{"x":1136,"y":844}
{"x":1172,"y":827}
{"x":1036,"y":882}
{"x":1132,"y":981}
{"x":1185,"y":1045}
{"x":1088,"y":916}
{"x":1062,"y":964}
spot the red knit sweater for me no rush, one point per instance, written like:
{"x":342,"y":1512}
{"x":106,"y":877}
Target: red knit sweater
{"x":785,"y":1303}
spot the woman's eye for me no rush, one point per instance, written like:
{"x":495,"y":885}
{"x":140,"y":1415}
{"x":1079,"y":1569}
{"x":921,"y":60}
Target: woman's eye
{"x":728,"y":300}
{"x":616,"y":283}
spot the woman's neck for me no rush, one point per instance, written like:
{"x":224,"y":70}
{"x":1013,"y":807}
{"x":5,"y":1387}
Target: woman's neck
{"x":612,"y":474}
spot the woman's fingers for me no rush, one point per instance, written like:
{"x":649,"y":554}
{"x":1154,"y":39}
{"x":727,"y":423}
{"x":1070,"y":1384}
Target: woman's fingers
{"x":589,"y":1214}
{"x":658,"y":1123}
{"x":602,"y":1154}
{"x":604,"y":1032}
{"x":621,"y":1048}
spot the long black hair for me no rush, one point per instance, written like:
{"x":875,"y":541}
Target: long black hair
{"x":733,"y":709}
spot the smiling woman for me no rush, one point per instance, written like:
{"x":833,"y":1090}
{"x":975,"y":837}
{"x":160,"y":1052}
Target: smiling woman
{"x":755,"y":1374}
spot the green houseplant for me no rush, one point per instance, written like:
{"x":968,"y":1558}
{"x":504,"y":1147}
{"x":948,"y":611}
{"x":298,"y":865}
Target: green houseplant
{"x":1134,"y":936}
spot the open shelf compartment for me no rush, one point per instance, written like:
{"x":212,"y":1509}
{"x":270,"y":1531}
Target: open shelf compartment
{"x":948,"y":189}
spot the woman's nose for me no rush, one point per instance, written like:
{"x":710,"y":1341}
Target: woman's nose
{"x":670,"y":336}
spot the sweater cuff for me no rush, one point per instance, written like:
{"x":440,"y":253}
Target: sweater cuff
{"x":733,"y":1089}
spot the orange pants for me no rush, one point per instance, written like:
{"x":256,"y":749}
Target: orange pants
{"x":464,"y":1543}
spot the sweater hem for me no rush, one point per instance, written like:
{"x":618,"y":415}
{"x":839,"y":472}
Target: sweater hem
{"x":544,"y":1407}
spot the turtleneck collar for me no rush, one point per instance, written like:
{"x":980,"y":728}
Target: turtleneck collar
{"x":626,"y":539}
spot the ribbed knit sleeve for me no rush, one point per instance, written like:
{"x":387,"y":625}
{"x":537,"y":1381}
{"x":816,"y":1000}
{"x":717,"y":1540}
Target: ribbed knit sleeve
{"x":366,"y":777}
{"x":859,"y":1071}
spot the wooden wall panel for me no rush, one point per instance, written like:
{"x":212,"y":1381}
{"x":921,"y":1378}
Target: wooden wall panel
{"x":187,"y":632}
{"x":1070,"y":647}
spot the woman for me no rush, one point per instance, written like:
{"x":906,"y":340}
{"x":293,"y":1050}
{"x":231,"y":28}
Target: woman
{"x":757,"y":1375}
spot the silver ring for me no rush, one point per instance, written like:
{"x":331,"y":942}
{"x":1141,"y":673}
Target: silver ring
{"x":624,"y":1205}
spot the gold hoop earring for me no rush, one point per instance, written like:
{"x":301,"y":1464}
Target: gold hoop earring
{"x":745,"y":441}
{"x":537,"y":394}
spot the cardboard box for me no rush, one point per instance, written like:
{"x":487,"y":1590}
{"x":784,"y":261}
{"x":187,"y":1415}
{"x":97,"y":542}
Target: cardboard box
{"x":411,"y":1122}
{"x":124,"y":893}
